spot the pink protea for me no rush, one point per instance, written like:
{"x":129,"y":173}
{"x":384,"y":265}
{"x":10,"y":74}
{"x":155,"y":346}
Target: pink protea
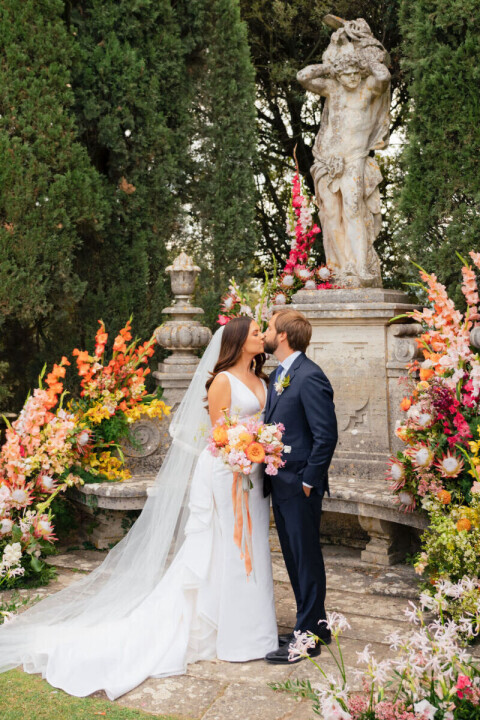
{"x":406,"y":500}
{"x":46,"y":483}
{"x":303,"y":273}
{"x":421,"y":456}
{"x":450,"y":465}
{"x":279,"y":298}
{"x":43,"y":528}
{"x":20,"y":497}
{"x":324,"y":273}
{"x":396,"y":474}
{"x":287,"y":280}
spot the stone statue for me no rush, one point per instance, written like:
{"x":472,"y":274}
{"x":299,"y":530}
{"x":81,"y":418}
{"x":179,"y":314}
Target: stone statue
{"x":354,"y":79}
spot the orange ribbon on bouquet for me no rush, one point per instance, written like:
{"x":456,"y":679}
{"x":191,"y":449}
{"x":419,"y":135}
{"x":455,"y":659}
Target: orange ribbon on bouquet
{"x":242,"y":533}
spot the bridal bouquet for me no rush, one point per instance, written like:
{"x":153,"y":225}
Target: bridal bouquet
{"x":240,"y":444}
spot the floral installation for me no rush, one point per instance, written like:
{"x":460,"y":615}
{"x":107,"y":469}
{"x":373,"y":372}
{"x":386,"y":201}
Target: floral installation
{"x":430,"y":675}
{"x":240,"y":445}
{"x":438,"y":469}
{"x":52,"y":446}
{"x":282,"y":384}
{"x":299,"y":273}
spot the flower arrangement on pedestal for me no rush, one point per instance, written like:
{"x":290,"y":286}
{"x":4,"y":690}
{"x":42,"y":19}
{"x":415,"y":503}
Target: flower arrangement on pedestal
{"x":52,"y":445}
{"x":430,"y":675}
{"x":299,"y":271}
{"x":439,"y":468}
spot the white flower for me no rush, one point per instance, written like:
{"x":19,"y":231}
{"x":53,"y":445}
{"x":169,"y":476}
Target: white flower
{"x":287,"y":449}
{"x":128,"y":133}
{"x":336,"y":622}
{"x":332,"y":710}
{"x":12,"y":555}
{"x":310,"y":285}
{"x":424,"y":419}
{"x":6,"y":526}
{"x":83,"y":438}
{"x":228,"y":303}
{"x":425,"y":708}
{"x":235,"y":432}
{"x":364,"y":656}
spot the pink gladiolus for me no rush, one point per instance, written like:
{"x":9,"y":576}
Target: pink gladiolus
{"x":223,"y":320}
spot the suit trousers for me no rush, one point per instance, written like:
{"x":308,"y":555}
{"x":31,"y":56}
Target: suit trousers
{"x":298,"y":525}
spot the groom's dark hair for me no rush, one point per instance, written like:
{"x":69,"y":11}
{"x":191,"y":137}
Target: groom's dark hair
{"x":297,"y":327}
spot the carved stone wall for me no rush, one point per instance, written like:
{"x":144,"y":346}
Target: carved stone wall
{"x":363,"y":355}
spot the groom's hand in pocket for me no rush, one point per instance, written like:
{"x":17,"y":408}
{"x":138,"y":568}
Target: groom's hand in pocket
{"x":306,"y":489}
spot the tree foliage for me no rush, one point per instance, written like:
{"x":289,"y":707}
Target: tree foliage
{"x":51,"y":197}
{"x":440,"y":198}
{"x":119,"y":133}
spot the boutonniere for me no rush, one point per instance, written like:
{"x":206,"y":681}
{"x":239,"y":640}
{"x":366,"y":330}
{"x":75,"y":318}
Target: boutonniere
{"x":280,"y":385}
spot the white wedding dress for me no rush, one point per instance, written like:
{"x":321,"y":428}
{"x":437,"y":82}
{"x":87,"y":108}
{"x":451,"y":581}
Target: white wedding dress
{"x":203,"y":607}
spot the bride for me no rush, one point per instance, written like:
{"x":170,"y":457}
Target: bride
{"x":174,"y":590}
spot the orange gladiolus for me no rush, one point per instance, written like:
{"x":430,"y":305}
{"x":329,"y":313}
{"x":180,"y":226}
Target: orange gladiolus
{"x":426,"y":373}
{"x":406,"y":404}
{"x":119,"y":344}
{"x":255,"y":452}
{"x":220,"y":435}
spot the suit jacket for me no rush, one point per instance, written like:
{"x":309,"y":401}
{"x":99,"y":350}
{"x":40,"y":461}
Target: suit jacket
{"x":306,"y":409}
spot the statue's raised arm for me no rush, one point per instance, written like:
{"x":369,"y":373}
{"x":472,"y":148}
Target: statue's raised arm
{"x":316,"y":78}
{"x":354,"y":78}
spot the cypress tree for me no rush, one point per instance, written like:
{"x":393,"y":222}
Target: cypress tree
{"x":51,"y":198}
{"x":223,"y":192}
{"x":132,"y":98}
{"x":440,"y":200}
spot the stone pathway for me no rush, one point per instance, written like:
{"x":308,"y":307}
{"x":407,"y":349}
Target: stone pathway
{"x":373,"y":600}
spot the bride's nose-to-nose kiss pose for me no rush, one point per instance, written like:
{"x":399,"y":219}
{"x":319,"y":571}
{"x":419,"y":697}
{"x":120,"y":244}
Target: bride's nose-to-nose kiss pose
{"x":175,"y":590}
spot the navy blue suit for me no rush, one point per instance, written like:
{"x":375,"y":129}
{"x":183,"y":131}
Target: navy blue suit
{"x":306,"y":409}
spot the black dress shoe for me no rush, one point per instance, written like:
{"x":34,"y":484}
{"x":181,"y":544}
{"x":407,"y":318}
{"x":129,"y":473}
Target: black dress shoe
{"x":280,"y":656}
{"x":285,"y":639}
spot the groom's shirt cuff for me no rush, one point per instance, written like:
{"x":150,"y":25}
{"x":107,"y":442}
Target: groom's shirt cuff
{"x":307,"y":485}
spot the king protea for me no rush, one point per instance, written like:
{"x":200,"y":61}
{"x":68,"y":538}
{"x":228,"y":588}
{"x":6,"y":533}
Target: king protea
{"x":450,"y":465}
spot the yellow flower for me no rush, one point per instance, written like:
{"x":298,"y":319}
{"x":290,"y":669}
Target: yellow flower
{"x":156,"y":408}
{"x":474,"y":447}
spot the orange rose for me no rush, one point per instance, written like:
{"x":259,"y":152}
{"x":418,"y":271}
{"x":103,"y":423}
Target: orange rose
{"x":426,"y":373}
{"x":244,"y":440}
{"x":220,"y":435}
{"x":405,"y":404}
{"x":444,"y":496}
{"x":464,"y":524}
{"x":255,"y":452}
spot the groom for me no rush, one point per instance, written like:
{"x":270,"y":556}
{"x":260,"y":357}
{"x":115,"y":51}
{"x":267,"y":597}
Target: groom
{"x":301,"y":397}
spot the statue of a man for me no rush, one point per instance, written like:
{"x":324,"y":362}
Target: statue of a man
{"x":355,"y":81}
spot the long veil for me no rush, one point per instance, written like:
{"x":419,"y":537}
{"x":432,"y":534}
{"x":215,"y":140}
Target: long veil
{"x":136,"y":564}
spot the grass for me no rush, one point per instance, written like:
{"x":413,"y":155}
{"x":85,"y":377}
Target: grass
{"x":28,"y":697}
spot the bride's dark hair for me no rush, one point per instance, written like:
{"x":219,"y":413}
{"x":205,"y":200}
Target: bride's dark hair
{"x":234,"y":336}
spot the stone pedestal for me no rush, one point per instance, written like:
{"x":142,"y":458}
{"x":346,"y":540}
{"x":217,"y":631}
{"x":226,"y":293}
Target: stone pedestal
{"x":363,"y":355}
{"x":183,"y":335}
